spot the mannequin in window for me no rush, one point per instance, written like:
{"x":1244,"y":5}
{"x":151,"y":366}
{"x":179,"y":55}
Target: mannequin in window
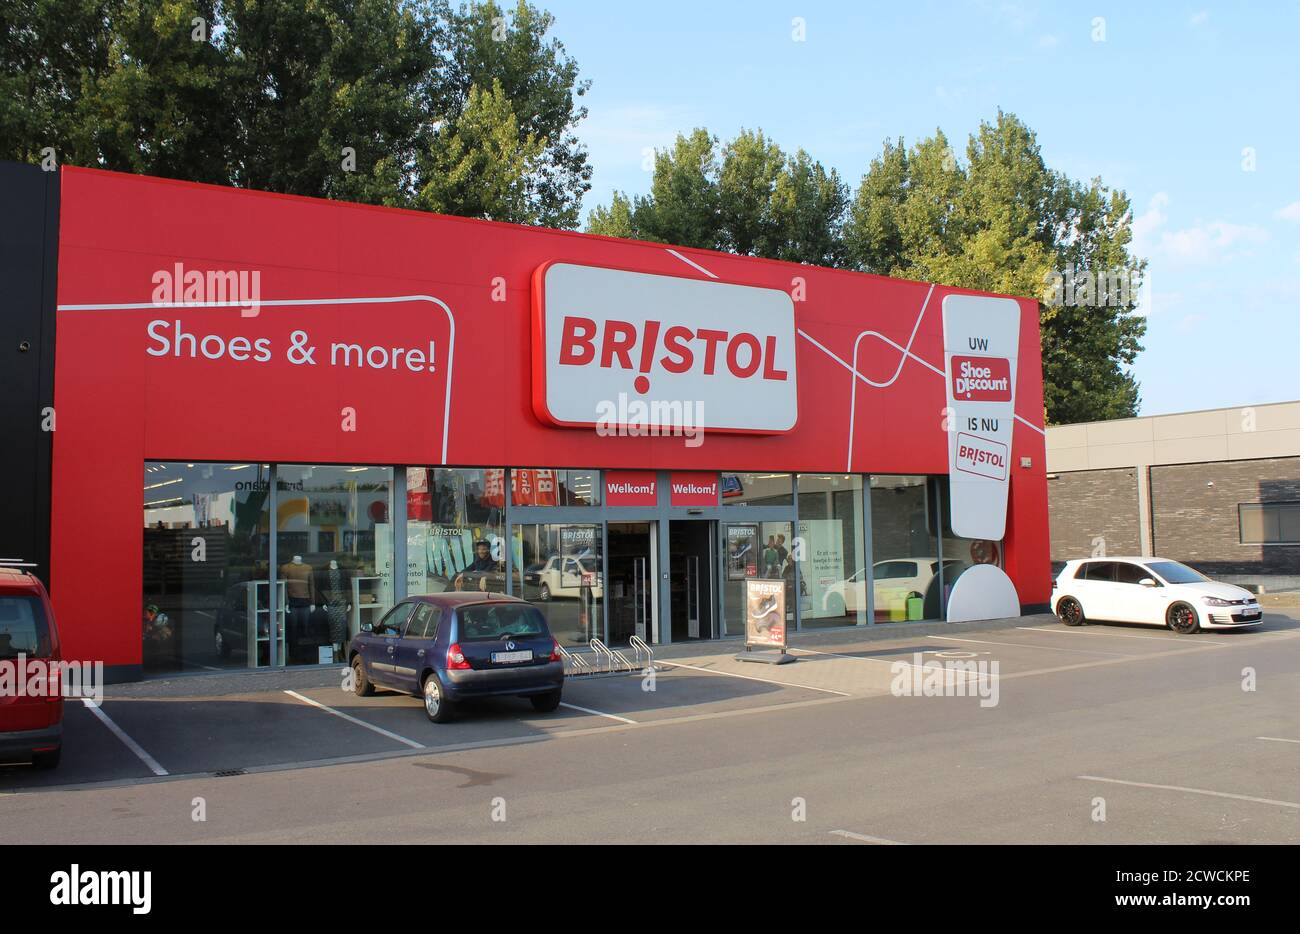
{"x":297,"y":577}
{"x":334,"y":590}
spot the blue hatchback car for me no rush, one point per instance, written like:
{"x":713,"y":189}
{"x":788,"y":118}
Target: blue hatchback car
{"x":454,"y":646}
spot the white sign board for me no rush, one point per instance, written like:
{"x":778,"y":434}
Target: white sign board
{"x":614,"y":348}
{"x":981,"y":340}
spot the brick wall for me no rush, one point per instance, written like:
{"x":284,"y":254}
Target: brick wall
{"x":1197,"y":524}
{"x":1085,"y":505}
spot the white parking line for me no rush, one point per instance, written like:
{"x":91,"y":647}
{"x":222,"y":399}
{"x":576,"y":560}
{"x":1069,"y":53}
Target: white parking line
{"x":597,"y":713}
{"x":1029,"y":645}
{"x":1278,"y":739}
{"x":1118,"y":635}
{"x":351,"y":719}
{"x":732,"y":674}
{"x":863,"y":838}
{"x":127,"y":741}
{"x":1195,"y":791}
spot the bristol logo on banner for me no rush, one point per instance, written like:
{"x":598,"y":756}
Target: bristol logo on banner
{"x":603,"y":334}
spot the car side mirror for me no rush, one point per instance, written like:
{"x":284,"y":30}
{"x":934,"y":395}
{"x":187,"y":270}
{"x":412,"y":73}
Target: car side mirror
{"x":1148,"y":582}
{"x":367,"y":627}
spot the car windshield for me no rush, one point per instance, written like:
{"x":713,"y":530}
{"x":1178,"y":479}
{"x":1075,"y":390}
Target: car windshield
{"x":487,"y":622}
{"x":1176,"y":573}
{"x":23,"y":628}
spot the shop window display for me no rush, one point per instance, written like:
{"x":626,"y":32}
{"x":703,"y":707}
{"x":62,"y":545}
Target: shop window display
{"x":559,"y":568}
{"x":905,"y":549}
{"x":335,"y":553}
{"x":832,"y":568}
{"x":206,"y":601}
{"x":455,"y":529}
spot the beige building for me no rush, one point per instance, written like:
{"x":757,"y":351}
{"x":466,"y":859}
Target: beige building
{"x":1217,"y":489}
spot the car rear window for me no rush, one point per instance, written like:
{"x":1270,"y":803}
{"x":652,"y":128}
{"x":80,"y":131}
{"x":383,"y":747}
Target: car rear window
{"x":23,"y":628}
{"x":487,"y":622}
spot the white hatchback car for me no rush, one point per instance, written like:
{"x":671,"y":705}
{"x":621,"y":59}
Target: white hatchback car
{"x":1150,"y":590}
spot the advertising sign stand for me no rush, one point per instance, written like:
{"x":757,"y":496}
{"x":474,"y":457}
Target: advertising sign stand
{"x":765,"y":623}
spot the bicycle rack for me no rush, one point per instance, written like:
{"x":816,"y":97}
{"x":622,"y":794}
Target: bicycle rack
{"x":573,"y":664}
{"x":607,"y":661}
{"x":639,"y":648}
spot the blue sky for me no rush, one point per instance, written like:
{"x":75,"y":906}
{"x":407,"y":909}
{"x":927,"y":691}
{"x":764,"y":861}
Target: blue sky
{"x":1163,"y":108}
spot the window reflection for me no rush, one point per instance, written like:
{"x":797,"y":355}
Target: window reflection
{"x":334,"y":544}
{"x":559,"y":569}
{"x":206,"y":600}
{"x":905,"y":549}
{"x":832,"y":573}
{"x":455,"y":529}
{"x":535,"y":487}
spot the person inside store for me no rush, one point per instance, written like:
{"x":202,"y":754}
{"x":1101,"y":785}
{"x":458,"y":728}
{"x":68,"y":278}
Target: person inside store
{"x":480,"y":567}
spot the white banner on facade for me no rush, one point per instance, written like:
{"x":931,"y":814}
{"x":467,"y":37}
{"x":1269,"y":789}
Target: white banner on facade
{"x":981,"y":340}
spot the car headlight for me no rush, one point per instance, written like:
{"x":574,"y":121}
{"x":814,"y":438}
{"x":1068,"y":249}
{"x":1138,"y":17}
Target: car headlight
{"x":1216,"y":601}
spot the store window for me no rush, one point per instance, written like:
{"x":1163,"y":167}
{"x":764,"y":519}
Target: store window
{"x":1269,"y":523}
{"x":959,"y":553}
{"x":530,"y":487}
{"x":559,"y":569}
{"x":206,"y":601}
{"x":757,"y":489}
{"x":455,"y":529}
{"x":761,"y":550}
{"x":905,"y":549}
{"x":334,"y":548}
{"x":832,"y":570}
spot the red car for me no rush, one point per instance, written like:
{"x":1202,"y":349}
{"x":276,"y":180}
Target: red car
{"x":31,"y":722}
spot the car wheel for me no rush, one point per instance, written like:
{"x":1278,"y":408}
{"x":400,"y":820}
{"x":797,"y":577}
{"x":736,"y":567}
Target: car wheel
{"x":47,"y":760}
{"x":1070,"y":612}
{"x":222,"y":646}
{"x":834,"y":605}
{"x":1182,"y":619}
{"x":436,"y":706}
{"x":545,"y":703}
{"x":361,"y":685}
{"x":545,"y":593}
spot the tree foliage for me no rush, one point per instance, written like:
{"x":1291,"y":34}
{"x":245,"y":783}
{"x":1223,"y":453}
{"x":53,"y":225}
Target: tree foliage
{"x":1002,"y":221}
{"x":397,"y":102}
{"x":747,"y":197}
{"x":996,"y":220}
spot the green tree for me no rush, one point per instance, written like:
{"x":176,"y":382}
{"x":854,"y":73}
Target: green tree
{"x":350,"y":99}
{"x":541,"y":82}
{"x":1005,"y":222}
{"x":477,"y":166}
{"x":747,"y":197}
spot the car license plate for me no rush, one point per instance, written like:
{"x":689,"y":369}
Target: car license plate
{"x":1251,"y":614}
{"x":508,"y":657}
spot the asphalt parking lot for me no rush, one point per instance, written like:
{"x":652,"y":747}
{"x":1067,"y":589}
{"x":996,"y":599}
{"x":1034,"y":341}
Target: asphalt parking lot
{"x":204,"y":724}
{"x":1151,"y":720}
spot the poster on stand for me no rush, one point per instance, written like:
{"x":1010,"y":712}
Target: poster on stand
{"x":764,"y":613}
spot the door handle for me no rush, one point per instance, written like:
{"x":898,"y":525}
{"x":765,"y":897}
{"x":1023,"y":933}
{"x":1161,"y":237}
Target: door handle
{"x":420,"y":653}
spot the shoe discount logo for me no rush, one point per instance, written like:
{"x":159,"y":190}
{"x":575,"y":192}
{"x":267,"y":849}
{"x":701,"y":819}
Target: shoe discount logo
{"x":981,"y":379}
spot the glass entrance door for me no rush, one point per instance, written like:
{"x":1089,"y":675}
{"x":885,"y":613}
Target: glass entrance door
{"x":632,"y":559}
{"x":691,"y":576}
